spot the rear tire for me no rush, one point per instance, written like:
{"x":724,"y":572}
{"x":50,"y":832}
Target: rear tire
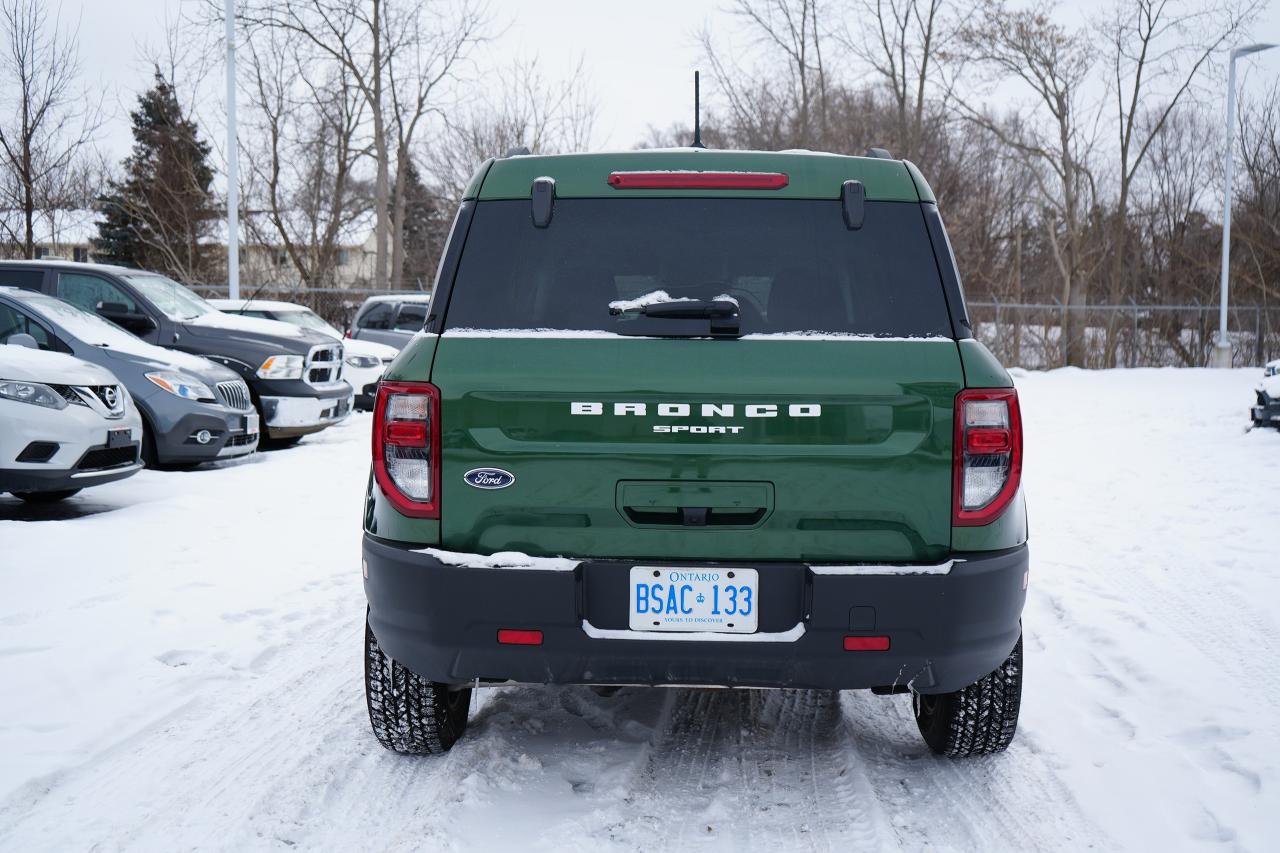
{"x":980,"y":719}
{"x":408,"y":713}
{"x":45,"y":497}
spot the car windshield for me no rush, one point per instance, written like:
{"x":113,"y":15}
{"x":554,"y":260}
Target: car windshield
{"x":80,"y":324}
{"x":305,"y":318}
{"x":173,"y":299}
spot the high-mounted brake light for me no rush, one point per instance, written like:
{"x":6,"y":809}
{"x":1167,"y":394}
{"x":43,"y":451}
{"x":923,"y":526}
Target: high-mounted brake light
{"x":697,"y":180}
{"x":988,"y":455}
{"x":406,"y":447}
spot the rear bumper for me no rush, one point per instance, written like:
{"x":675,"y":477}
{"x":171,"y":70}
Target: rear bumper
{"x":946,"y":629}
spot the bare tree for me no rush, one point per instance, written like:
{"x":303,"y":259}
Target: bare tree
{"x":48,"y":123}
{"x":530,"y":112}
{"x":1053,"y":64}
{"x":902,"y":41}
{"x":1158,"y":47}
{"x":790,"y":30}
{"x":396,"y":54}
{"x":426,"y":57}
{"x":305,"y":118}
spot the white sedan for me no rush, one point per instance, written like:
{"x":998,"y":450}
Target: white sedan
{"x":64,"y":424}
{"x":365,"y":360}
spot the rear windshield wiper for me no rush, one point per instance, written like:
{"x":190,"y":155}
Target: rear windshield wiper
{"x":723,"y":313}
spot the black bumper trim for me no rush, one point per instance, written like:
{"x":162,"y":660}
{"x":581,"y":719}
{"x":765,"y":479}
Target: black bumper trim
{"x":946,"y":630}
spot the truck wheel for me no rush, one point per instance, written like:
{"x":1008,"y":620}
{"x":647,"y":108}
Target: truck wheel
{"x":45,"y":497}
{"x":410,"y":714}
{"x":976,"y":720}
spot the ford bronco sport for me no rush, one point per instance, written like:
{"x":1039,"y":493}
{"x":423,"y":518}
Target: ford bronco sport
{"x":696,"y":417}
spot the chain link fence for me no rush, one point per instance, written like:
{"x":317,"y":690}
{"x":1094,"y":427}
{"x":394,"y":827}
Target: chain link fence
{"x":1026,"y":335}
{"x":1134,"y":335}
{"x":338,"y":305}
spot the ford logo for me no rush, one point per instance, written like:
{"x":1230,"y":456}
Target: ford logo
{"x":489,"y":478}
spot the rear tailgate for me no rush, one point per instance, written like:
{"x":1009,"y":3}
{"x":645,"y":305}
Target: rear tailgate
{"x":813,"y":450}
{"x":820,"y":429}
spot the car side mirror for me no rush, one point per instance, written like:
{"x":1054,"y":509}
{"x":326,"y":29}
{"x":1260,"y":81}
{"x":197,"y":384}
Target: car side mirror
{"x":119,"y":313}
{"x":22,"y":339}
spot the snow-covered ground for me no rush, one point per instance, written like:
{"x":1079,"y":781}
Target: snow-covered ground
{"x":180,"y":669}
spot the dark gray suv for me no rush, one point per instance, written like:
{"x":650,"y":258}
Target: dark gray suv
{"x":294,"y":375}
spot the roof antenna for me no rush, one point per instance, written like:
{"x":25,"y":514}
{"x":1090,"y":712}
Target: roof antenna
{"x":697,"y":113}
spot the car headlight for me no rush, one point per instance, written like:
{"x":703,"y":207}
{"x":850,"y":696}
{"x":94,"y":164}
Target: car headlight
{"x":363,"y":361}
{"x":281,"y":367}
{"x":33,"y":393}
{"x":181,"y":386}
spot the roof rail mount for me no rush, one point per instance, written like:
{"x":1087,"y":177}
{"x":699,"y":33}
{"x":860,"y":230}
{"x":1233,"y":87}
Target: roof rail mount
{"x":879,"y":153}
{"x":543,"y":196}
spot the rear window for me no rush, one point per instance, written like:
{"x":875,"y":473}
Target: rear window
{"x":792,"y":266}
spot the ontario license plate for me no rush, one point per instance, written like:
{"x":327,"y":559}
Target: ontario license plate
{"x":119,"y":437}
{"x":685,"y":599}
{"x":251,"y":423}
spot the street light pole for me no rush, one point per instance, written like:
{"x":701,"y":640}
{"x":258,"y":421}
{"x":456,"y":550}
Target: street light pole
{"x":1222,"y":351}
{"x":233,"y":179}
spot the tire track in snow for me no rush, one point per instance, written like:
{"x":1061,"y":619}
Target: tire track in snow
{"x":998,"y":802}
{"x":752,"y":770}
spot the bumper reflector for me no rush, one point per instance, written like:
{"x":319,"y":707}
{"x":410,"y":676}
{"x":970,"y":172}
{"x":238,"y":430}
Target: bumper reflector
{"x":866,"y":644}
{"x":516,"y":637}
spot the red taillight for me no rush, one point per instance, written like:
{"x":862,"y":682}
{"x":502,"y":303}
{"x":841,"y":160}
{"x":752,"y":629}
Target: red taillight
{"x":988,"y":455}
{"x":517,"y":637}
{"x":406,"y":447}
{"x":866,"y":644}
{"x":697,"y":180}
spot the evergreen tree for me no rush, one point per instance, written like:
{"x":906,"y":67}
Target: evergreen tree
{"x":426,"y":226}
{"x":161,"y":214}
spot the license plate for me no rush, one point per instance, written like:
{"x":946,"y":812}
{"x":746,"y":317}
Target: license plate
{"x":119,"y":437}
{"x":251,"y":423}
{"x":691,"y":599}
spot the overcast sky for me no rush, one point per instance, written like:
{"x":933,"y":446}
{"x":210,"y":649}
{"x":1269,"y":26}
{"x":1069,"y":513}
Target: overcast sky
{"x":639,"y":55}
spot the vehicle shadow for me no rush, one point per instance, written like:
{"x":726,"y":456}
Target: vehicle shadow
{"x":13,"y":509}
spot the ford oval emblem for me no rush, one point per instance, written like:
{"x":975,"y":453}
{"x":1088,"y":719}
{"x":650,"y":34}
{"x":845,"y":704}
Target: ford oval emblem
{"x":489,"y":478}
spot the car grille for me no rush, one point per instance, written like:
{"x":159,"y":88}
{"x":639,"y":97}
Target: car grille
{"x":234,"y":394}
{"x":324,"y":364}
{"x":108,"y":457}
{"x":241,"y":439}
{"x":82,"y":395}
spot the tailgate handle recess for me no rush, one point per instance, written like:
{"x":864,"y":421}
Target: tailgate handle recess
{"x":696,"y":516}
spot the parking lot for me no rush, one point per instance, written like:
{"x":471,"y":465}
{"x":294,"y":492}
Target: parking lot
{"x":181,"y":660}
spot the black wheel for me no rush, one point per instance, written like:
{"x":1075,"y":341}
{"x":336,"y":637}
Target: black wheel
{"x":976,"y":720}
{"x":408,"y":713}
{"x":45,"y":497}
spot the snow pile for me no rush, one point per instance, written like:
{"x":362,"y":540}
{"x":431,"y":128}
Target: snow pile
{"x":180,"y":656}
{"x":655,"y":297}
{"x":502,"y":560}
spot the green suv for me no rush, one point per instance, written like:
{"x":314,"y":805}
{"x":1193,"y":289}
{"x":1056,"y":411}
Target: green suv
{"x":692,"y":417}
